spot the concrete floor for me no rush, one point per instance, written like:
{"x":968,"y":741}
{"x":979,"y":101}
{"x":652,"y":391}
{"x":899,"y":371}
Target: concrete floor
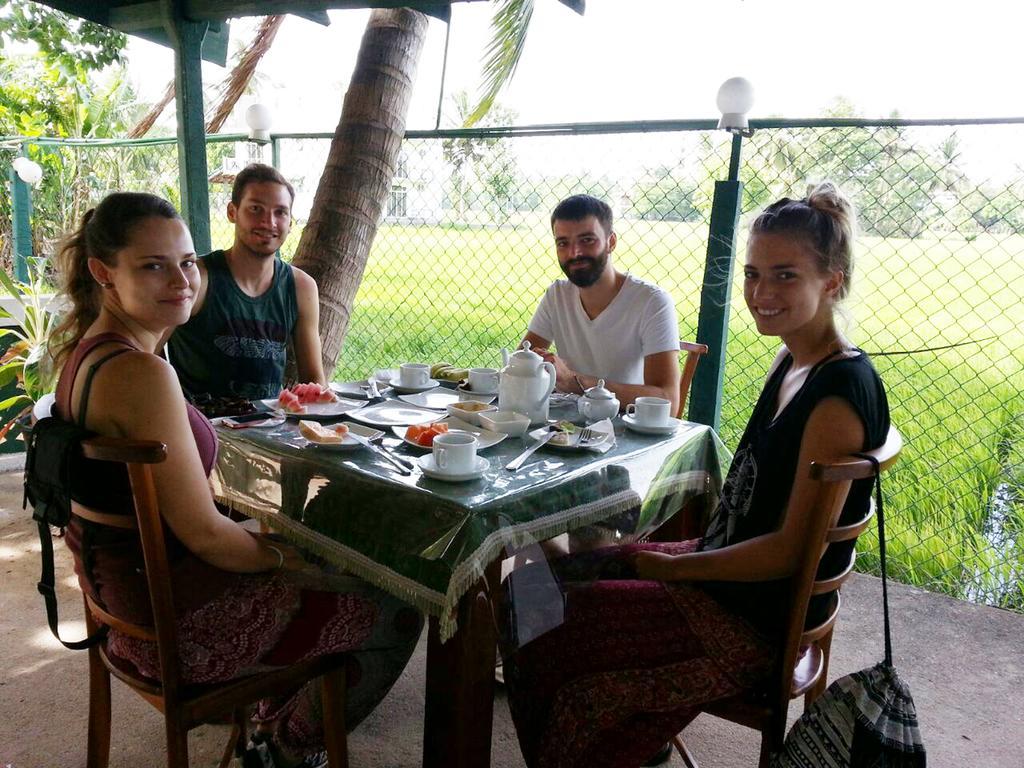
{"x":964,"y":664}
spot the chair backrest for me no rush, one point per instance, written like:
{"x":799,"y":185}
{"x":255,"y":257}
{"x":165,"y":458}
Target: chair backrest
{"x":691,"y":352}
{"x":138,"y":456}
{"x":834,"y":479}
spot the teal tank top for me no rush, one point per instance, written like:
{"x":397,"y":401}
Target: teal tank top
{"x":237,"y":345}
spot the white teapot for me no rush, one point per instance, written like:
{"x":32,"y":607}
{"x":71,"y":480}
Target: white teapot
{"x":598,"y":403}
{"x":525,"y":384}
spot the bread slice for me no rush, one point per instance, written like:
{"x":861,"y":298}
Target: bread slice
{"x":318,"y":433}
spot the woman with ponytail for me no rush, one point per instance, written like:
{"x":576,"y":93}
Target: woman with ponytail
{"x":667,"y":627}
{"x":244,"y":601}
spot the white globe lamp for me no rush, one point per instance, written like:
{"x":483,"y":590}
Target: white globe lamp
{"x":28,"y":171}
{"x":258,"y":118}
{"x":735,"y":98}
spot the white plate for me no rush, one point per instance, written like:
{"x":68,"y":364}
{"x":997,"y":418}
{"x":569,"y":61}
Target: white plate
{"x":393,"y":413}
{"x":348,"y":443}
{"x":469,"y":394}
{"x":404,"y":389}
{"x":316,"y":410}
{"x":665,"y":429}
{"x":574,"y":437}
{"x":437,"y":399}
{"x":430,"y":469}
{"x":485,"y":437}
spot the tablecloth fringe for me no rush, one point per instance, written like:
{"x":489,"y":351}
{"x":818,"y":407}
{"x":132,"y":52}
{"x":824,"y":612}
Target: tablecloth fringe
{"x":426,"y":600}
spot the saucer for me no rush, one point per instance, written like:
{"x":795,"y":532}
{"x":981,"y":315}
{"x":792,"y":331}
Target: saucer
{"x":649,"y":429}
{"x":430,"y":469}
{"x":403,"y":389}
{"x":473,"y":394}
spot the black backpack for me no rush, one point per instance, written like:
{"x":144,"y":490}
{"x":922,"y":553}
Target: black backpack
{"x":53,"y":460}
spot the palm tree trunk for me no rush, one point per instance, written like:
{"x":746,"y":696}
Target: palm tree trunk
{"x":360,"y":167}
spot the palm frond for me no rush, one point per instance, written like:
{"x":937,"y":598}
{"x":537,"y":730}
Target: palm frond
{"x":238,"y":79}
{"x":509,"y":26}
{"x":142,"y":127}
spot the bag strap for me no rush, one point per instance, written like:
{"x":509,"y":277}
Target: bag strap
{"x":47,"y":580}
{"x":83,"y":404}
{"x":46,"y":589}
{"x":881,"y":553}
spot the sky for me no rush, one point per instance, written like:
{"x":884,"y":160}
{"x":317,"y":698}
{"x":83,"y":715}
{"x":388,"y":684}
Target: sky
{"x":657,"y":59}
{"x":664,"y":59}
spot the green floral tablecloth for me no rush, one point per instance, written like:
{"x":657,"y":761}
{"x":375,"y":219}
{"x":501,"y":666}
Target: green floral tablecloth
{"x":428,"y":541}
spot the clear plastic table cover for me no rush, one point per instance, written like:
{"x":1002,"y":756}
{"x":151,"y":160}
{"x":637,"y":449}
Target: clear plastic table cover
{"x":428,"y":541}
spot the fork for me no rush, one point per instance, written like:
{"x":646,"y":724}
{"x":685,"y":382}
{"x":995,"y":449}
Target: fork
{"x":586,"y":435}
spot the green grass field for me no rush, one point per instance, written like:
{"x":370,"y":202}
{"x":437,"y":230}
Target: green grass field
{"x":955,"y":501}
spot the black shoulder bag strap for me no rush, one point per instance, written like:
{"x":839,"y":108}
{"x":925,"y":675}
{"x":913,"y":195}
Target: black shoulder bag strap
{"x":47,"y":580}
{"x":881,"y":553}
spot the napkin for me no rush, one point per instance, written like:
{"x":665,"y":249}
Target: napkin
{"x":603,"y":426}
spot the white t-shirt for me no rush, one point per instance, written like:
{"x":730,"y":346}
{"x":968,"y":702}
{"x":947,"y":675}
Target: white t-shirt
{"x":640,"y":321}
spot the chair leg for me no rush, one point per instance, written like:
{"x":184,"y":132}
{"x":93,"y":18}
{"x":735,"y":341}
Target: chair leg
{"x":98,"y":754}
{"x":773,"y":734}
{"x":688,"y":759}
{"x":236,"y":740}
{"x":177,"y":742}
{"x":825,"y":644}
{"x":335,"y":739}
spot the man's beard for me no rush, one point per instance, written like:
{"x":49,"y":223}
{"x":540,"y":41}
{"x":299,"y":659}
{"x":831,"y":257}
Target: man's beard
{"x":584,"y":278}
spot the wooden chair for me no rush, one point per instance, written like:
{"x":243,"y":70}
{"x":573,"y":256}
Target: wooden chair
{"x":183,"y":706}
{"x":802,"y":667}
{"x":693,"y":352}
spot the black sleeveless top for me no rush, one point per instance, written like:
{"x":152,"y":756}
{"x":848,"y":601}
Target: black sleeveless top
{"x":237,"y":345}
{"x":764,"y":467}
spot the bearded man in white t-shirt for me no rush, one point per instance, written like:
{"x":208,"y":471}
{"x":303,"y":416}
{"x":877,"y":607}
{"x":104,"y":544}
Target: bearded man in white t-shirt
{"x":604,"y":324}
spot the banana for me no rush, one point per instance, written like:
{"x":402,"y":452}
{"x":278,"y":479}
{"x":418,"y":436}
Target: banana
{"x":436,"y":369}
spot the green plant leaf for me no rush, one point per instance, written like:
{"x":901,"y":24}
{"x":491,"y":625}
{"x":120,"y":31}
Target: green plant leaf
{"x":17,"y":400}
{"x":509,"y":25}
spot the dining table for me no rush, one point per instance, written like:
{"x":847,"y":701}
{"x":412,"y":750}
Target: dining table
{"x":440,"y":545}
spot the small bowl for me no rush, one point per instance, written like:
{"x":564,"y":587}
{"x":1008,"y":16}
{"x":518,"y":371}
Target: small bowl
{"x":469,"y":410}
{"x":509,"y":422}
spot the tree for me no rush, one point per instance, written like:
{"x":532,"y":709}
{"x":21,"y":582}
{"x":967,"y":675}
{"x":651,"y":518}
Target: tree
{"x":488,"y":159}
{"x":71,"y":43}
{"x":361,"y":164}
{"x":364,"y":152}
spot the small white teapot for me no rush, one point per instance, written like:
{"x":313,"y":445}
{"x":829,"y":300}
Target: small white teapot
{"x":598,"y":403}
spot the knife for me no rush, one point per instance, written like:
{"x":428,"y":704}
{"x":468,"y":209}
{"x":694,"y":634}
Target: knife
{"x":397,"y":461}
{"x":517,"y":462}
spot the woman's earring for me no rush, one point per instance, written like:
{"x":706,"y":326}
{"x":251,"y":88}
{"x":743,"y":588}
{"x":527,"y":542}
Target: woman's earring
{"x":106,"y":285}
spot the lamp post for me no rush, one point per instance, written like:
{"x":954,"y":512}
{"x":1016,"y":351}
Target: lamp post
{"x":735,"y":98}
{"x":24,"y":174}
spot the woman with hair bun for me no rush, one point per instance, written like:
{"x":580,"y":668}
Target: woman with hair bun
{"x":667,"y":627}
{"x":244,"y":602}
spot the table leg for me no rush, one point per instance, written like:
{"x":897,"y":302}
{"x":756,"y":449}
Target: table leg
{"x":460,"y":688}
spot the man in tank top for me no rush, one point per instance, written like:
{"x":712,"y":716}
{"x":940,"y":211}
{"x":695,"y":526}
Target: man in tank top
{"x":604,"y":324}
{"x":250,"y":305}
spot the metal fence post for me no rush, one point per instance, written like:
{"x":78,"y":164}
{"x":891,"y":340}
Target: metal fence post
{"x":275,"y":152}
{"x":21,"y":225}
{"x":713,"y":318}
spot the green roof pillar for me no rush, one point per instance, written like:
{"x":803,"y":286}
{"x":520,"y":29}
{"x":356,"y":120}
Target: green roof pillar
{"x":713,"y":319}
{"x":21,"y":224}
{"x":187,"y":39}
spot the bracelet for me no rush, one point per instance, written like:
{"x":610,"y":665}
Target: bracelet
{"x":280,"y":557}
{"x":583,"y":390}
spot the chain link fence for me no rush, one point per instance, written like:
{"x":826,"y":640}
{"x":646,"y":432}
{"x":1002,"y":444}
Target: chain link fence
{"x":464,"y":253}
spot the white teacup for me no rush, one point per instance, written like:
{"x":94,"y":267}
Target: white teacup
{"x":455,"y":452}
{"x":650,"y":411}
{"x":483,"y":380}
{"x":414,"y":374}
